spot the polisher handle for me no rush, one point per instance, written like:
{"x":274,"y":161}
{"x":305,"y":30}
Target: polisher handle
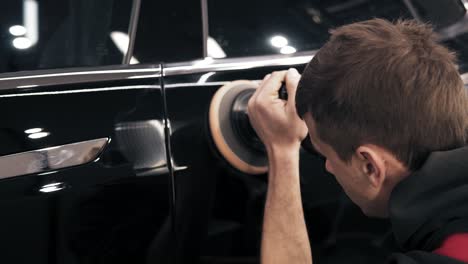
{"x":283,"y":93}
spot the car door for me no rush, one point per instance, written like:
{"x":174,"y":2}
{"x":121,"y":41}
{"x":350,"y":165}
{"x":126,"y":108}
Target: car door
{"x":84,"y":174}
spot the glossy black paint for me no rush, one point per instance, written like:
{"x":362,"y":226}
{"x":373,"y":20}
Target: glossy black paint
{"x":111,"y":211}
{"x":219,"y":210}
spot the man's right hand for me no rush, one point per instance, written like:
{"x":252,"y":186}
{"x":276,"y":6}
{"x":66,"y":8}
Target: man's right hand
{"x":275,"y":120}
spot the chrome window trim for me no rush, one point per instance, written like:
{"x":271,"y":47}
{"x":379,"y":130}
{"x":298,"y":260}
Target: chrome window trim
{"x":51,"y":159}
{"x":87,"y":90}
{"x":243,"y":63}
{"x":29,"y":79}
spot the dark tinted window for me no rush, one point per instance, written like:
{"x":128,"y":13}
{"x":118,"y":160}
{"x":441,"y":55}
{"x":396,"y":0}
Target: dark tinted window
{"x":62,"y":33}
{"x":246,"y":27}
{"x":169,"y":31}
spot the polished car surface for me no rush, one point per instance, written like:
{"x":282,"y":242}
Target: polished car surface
{"x":106,"y":150}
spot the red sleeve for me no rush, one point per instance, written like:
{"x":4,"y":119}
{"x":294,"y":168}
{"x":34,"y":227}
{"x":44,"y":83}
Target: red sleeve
{"x":455,"y":246}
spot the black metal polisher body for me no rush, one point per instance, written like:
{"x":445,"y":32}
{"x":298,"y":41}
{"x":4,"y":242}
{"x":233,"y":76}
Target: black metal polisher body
{"x":231,"y":131}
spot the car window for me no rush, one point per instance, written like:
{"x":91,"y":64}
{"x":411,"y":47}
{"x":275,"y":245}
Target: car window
{"x":240,"y":28}
{"x":62,"y":33}
{"x":169,"y":31}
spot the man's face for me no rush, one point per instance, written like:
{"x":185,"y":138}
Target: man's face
{"x":350,"y":175}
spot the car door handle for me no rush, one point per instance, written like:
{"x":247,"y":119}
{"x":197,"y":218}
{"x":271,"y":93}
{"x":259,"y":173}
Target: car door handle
{"x":52,"y":158}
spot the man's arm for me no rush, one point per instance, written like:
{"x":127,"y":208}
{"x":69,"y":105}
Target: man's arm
{"x":284,"y":238}
{"x":276,"y":122}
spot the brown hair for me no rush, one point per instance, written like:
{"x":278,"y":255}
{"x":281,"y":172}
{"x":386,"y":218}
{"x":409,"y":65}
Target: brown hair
{"x":387,"y":84}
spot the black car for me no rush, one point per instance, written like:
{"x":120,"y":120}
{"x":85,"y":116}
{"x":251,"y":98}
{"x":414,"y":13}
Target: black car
{"x":114,"y":150}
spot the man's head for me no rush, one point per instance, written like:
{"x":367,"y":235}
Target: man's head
{"x":377,"y":99}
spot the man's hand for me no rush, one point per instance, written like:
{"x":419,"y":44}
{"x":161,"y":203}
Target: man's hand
{"x":276,"y":121}
{"x":284,"y":237}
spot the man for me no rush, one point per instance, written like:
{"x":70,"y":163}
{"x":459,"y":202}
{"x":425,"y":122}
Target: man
{"x":385,"y":105}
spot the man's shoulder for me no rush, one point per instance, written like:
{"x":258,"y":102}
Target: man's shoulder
{"x":417,"y":257}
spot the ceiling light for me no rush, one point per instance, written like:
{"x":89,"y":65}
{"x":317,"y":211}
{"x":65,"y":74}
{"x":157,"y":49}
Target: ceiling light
{"x":279,"y":41}
{"x":287,"y":50}
{"x":52,"y":187}
{"x":31,"y":20}
{"x":33,"y":130}
{"x":38,"y":135}
{"x":17,"y":30}
{"x":22,"y":43}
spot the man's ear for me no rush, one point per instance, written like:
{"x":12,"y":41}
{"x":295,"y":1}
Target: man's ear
{"x":372,"y":164}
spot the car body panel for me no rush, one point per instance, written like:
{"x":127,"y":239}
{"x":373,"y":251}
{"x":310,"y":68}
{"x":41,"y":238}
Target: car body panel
{"x":110,"y":207}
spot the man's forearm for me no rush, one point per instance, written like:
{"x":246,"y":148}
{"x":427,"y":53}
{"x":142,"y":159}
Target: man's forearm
{"x":284,"y":238}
